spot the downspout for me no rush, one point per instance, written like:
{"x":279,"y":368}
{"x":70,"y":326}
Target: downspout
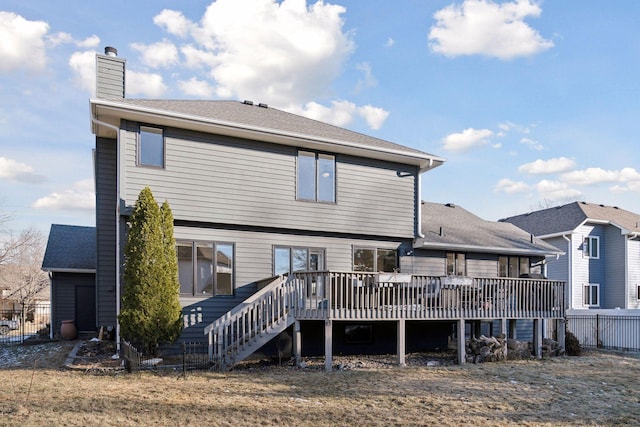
{"x":570,"y":271}
{"x":117,"y":213}
{"x":419,"y":232}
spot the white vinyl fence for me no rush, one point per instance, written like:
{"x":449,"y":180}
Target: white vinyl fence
{"x":611,"y":329}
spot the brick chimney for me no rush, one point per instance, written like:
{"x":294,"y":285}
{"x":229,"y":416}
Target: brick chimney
{"x":110,"y":75}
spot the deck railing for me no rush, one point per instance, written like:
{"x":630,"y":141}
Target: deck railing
{"x":355,"y":295}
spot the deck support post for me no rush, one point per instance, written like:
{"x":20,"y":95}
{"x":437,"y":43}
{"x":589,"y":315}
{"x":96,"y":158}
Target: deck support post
{"x":462,"y":356}
{"x":402,"y":341}
{"x":513,"y":325}
{"x":297,"y":343}
{"x":328,"y":339}
{"x":503,"y":328}
{"x":537,"y":338}
{"x":561,"y":333}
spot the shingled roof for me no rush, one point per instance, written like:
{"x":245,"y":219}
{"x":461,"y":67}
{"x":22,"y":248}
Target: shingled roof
{"x":447,"y":226}
{"x":264,"y":122}
{"x":70,"y":248}
{"x":566,"y":218}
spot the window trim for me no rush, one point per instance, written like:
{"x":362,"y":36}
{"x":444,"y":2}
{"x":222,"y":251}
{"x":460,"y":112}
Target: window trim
{"x":317,"y":157}
{"x":456,"y":261}
{"x":587,"y":248}
{"x":155,"y":130}
{"x":375,"y":249}
{"x":586,"y":293}
{"x":310,"y":250}
{"x":194,"y":268}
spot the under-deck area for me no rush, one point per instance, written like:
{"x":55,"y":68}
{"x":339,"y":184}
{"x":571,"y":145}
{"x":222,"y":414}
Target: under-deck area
{"x":390,"y":297}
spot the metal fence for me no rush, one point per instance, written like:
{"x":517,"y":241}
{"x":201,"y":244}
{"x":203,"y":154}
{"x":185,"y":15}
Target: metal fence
{"x":181,"y":356}
{"x":610,"y":329}
{"x":29,"y":322}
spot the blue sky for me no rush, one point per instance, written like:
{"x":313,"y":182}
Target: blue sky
{"x":532,"y":103}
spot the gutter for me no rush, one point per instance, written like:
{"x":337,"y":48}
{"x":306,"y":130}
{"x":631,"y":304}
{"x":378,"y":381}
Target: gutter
{"x":422,"y":170}
{"x":95,"y":120}
{"x":487,"y":249}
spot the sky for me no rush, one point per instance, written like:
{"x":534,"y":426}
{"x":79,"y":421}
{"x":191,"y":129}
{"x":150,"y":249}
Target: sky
{"x":532,"y":103}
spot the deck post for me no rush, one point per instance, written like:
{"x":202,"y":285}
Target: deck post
{"x":561,"y":333}
{"x":462,"y":356}
{"x":503,"y":328}
{"x":297,"y":343}
{"x":537,"y":338}
{"x":513,"y":325}
{"x":402,"y":340}
{"x":328,"y":338}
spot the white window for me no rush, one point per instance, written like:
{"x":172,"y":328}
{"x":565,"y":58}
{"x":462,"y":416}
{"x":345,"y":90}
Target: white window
{"x":456,"y":264}
{"x":591,"y":295}
{"x":375,"y":260}
{"x":316,"y":177}
{"x":591,"y":247}
{"x":151,"y":147}
{"x":206,"y":268}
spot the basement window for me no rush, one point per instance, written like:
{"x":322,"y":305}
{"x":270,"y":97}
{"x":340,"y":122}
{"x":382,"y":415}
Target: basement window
{"x":151,"y":147}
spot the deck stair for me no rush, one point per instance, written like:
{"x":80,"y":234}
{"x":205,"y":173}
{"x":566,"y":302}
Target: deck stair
{"x":251,"y":324}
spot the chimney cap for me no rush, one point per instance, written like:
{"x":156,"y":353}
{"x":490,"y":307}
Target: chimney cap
{"x":110,"y":51}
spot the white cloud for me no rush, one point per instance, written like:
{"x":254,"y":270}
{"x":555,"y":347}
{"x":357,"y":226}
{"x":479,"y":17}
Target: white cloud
{"x":23,"y":45}
{"x":197,"y":88}
{"x":58,"y":39}
{"x":368,"y":80}
{"x":80,"y":196}
{"x":487,"y":28}
{"x":374,"y":116}
{"x":13,"y":170}
{"x":534,"y":145}
{"x":468,"y":138}
{"x":592,"y":176}
{"x":157,"y":55}
{"x":554,"y":190}
{"x":89,"y":42}
{"x":508,"y":186}
{"x":283,"y":53}
{"x":340,"y":114}
{"x":390,"y":42}
{"x":174,"y":22}
{"x":538,"y":167}
{"x":146,"y":84}
{"x":83,"y":65}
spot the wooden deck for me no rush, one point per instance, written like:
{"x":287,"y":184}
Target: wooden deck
{"x":373,"y":296}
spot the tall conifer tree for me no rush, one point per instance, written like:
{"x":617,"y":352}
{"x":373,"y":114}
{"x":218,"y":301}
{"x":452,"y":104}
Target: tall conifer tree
{"x":150,"y":314}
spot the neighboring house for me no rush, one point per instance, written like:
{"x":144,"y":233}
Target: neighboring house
{"x":602,"y":246}
{"x":70,"y":260}
{"x":284,"y":223}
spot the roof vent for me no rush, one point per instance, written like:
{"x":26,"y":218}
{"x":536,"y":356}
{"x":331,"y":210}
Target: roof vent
{"x":442,"y":231}
{"x":246,"y":102}
{"x":531,"y":236}
{"x":110,"y":51}
{"x":450,"y":205}
{"x":263,"y":105}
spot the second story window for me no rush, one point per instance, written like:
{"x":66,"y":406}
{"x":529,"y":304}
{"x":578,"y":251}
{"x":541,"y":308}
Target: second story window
{"x":456,"y":264}
{"x":591,"y":247}
{"x":316,"y":177}
{"x":151,"y":147}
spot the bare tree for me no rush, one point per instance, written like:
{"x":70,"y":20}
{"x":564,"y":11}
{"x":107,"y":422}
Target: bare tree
{"x":21,"y":275}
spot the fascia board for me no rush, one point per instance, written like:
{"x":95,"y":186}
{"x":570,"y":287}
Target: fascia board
{"x":487,"y":249}
{"x":113,"y":112}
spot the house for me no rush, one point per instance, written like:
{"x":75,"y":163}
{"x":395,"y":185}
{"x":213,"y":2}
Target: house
{"x":287,"y":224}
{"x":602,"y":252}
{"x":70,"y":260}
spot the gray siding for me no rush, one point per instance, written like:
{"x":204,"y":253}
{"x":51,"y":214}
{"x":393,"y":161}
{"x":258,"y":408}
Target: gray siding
{"x":424,"y":262}
{"x":109,"y":77}
{"x":105,"y":231}
{"x":223,"y":180}
{"x":558,"y":269}
{"x":613,"y":289}
{"x":63,"y":290}
{"x":254,"y":261}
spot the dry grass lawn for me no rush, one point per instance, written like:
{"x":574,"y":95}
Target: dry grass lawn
{"x":599,"y":388}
